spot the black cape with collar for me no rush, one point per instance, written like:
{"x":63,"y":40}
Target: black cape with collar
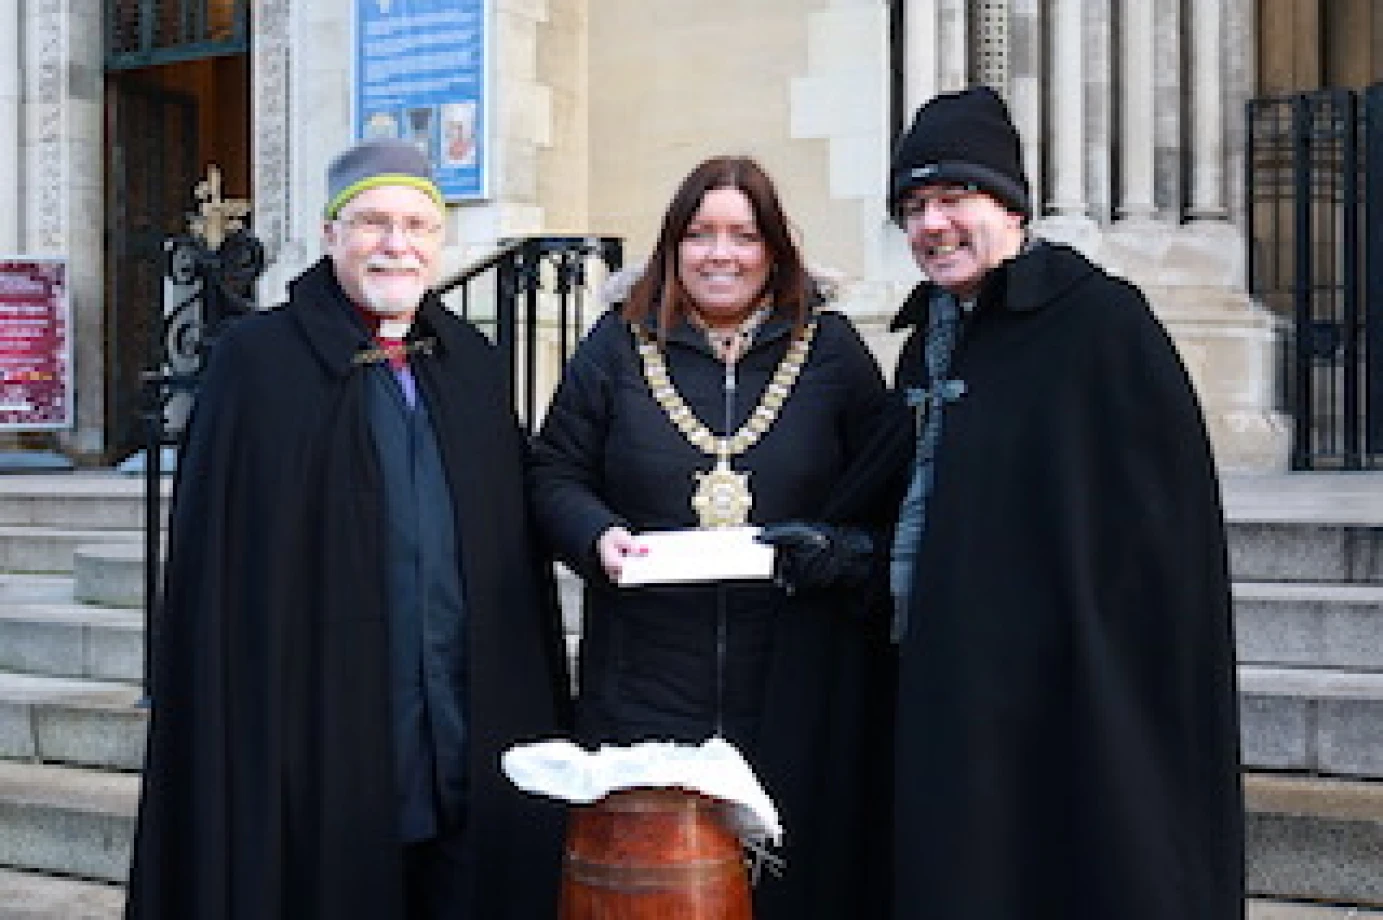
{"x":269,"y":790}
{"x":1067,"y":740}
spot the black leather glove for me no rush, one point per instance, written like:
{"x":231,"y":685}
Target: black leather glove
{"x":811,"y":556}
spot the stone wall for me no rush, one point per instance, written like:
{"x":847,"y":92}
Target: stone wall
{"x":600,"y":109}
{"x":668,"y":90}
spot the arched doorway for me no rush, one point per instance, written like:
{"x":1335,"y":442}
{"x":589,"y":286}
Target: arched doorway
{"x":177,"y":98}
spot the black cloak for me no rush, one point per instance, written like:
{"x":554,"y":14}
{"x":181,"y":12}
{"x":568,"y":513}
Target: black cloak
{"x":269,"y":790}
{"x":1067,"y":742}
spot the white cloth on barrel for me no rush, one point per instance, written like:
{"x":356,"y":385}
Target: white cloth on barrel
{"x":562,"y":770}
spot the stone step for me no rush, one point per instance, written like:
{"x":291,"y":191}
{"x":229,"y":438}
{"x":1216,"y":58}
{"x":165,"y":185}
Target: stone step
{"x":1259,"y":909}
{"x":110,"y":574}
{"x":1322,"y":527}
{"x":1305,"y":551}
{"x":1319,"y":625}
{"x":23,"y":588}
{"x":72,"y":640}
{"x":66,"y":820}
{"x":32,"y":896}
{"x":84,"y":722}
{"x":1315,"y":839}
{"x":50,"y":549}
{"x":1335,"y":497}
{"x":93,"y":500}
{"x":1317,"y":719}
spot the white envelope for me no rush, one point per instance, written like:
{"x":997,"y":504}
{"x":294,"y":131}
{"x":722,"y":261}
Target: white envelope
{"x":714,"y":554}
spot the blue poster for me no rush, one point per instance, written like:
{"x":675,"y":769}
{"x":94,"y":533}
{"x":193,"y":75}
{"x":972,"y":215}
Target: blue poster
{"x":420,"y":73}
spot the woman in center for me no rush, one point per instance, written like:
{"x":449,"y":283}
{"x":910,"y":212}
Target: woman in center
{"x":721,"y":391}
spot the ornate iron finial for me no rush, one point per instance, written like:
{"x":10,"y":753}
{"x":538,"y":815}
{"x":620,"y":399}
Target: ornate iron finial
{"x":218,"y":216}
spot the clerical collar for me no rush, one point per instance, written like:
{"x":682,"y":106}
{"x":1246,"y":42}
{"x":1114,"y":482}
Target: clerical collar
{"x":388,"y":333}
{"x":380,"y":326}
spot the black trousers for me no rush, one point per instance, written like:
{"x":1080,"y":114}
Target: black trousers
{"x":438,"y":878}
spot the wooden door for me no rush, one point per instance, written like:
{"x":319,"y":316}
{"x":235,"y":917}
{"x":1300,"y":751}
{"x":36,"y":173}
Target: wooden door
{"x":151,"y":170}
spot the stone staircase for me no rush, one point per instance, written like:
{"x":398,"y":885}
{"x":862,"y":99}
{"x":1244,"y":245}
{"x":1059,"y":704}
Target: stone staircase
{"x":1307,"y":553}
{"x":71,"y":657}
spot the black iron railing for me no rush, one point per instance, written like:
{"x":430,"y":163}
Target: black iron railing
{"x":533,"y":296}
{"x":204,"y":289}
{"x":1315,"y":256}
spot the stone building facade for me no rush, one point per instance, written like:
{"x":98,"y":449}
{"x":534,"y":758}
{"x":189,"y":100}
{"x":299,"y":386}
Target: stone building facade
{"x":1132,"y":113}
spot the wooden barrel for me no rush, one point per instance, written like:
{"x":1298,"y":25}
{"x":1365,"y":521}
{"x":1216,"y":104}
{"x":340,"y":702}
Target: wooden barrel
{"x":653,"y":854}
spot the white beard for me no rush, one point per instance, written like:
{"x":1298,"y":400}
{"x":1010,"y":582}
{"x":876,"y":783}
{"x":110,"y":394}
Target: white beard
{"x":390,"y":304}
{"x":387,"y":299}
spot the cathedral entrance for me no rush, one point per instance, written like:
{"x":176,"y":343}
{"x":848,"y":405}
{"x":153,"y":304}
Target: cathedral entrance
{"x":177,"y":99}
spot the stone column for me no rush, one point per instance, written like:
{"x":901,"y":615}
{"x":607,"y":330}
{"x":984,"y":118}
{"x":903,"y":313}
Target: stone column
{"x":271,"y":34}
{"x":1240,"y":48}
{"x":1025,"y":87}
{"x":83,"y":234}
{"x":1193,"y":272}
{"x":1099,"y":85}
{"x":920,"y":53}
{"x":10,"y":125}
{"x":1137,"y":111}
{"x":44,"y":110}
{"x":1207,"y":113}
{"x":952,"y":45}
{"x":1068,"y":109}
{"x":1167,"y":98}
{"x":294,"y":132}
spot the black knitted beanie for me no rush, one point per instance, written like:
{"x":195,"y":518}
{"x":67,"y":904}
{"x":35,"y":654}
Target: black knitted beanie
{"x":963,"y":138}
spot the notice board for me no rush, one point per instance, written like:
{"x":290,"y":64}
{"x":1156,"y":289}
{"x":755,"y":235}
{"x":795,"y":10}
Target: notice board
{"x":35,"y":345}
{"x":421,"y":75}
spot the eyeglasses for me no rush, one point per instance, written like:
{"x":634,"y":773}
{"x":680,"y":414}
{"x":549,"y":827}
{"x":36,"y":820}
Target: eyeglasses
{"x":948,"y":201}
{"x":376,"y":225}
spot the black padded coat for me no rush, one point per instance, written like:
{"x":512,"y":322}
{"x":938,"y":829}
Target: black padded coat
{"x":801,"y":684}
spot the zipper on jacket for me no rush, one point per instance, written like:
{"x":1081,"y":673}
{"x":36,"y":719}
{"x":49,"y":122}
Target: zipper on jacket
{"x":722,"y":627}
{"x":722,"y":601}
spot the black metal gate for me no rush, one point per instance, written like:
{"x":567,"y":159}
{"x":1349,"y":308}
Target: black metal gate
{"x":1316,"y":260}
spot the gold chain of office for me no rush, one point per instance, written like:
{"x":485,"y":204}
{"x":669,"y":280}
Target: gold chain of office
{"x":760,"y":420}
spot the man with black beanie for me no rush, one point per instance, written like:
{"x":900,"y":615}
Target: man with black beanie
{"x":1067,"y":739}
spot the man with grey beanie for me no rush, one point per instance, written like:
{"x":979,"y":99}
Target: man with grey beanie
{"x":1066,"y":724}
{"x":356,"y":619}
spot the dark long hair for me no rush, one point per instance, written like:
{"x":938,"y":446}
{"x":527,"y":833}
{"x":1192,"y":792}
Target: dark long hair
{"x":659,"y":290}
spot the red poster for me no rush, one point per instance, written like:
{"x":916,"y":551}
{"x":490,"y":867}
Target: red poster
{"x":35,"y":354}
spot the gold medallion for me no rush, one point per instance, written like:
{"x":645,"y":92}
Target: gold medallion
{"x":722,"y":497}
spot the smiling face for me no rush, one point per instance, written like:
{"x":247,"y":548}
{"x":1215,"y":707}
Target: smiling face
{"x":723,"y":262}
{"x":958,"y":235}
{"x":385,"y":246}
